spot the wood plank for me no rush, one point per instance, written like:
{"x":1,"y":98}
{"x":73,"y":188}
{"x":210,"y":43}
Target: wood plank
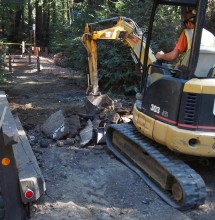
{"x":30,"y":175}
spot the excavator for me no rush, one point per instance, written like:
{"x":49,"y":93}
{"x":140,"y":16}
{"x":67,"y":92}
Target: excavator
{"x":172,"y":115}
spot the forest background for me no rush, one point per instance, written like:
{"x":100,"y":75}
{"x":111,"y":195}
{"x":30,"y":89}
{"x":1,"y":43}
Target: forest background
{"x":59,"y":25}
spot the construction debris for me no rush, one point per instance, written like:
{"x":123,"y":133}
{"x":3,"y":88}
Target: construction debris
{"x":55,"y":126}
{"x":75,"y":128}
{"x":86,"y":134}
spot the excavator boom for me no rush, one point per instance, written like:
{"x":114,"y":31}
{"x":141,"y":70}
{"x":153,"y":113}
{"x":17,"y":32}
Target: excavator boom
{"x":126,"y":31}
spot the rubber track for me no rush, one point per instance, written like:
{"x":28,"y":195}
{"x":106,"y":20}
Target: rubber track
{"x":193,"y":186}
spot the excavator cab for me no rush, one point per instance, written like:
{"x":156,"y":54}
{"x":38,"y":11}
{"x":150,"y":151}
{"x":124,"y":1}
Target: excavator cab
{"x":199,"y":59}
{"x":167,"y":97}
{"x":174,"y":114}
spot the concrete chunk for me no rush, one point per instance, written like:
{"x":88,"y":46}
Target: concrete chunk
{"x":55,"y":126}
{"x":87,"y":133}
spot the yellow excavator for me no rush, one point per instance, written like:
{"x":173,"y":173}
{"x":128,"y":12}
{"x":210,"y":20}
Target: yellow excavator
{"x":171,"y":116}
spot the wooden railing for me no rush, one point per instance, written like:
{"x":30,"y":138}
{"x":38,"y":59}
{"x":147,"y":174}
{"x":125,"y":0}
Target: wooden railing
{"x":23,"y":51}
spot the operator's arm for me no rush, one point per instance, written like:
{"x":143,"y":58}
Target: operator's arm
{"x":179,"y":48}
{"x":167,"y":56}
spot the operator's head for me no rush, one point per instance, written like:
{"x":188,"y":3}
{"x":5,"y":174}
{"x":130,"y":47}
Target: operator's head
{"x":190,"y":18}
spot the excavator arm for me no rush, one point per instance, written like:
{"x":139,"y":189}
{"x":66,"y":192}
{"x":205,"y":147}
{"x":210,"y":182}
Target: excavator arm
{"x":126,"y":31}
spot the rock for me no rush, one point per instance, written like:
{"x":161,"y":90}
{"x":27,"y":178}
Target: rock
{"x":96,"y":123}
{"x":60,"y":143}
{"x":69,"y":141}
{"x":77,"y":138}
{"x":86,"y":134}
{"x":102,"y":115}
{"x":44,"y":143}
{"x":74,"y":125}
{"x":32,"y":139}
{"x":61,"y":132}
{"x":55,"y":126}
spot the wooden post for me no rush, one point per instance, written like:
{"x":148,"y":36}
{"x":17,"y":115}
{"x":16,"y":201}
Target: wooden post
{"x":35,"y":51}
{"x":29,"y":57}
{"x":35,"y":48}
{"x":38,"y":63}
{"x":5,"y":57}
{"x":10,"y":64}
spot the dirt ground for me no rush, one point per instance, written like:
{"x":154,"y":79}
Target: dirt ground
{"x":88,"y":182}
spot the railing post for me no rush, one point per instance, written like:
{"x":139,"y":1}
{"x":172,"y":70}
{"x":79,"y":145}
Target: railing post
{"x":29,"y":57}
{"x":5,"y":57}
{"x":10,"y":64}
{"x":38,"y":63}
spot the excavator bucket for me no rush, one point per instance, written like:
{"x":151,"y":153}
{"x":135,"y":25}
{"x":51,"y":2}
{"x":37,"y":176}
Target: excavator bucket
{"x":94,"y":103}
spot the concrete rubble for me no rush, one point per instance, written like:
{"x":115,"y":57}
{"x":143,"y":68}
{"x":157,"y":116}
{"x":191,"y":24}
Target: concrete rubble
{"x":86,"y":134}
{"x":55,"y":126}
{"x":81,"y":129}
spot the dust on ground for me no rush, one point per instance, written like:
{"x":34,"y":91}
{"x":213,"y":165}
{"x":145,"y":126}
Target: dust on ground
{"x":87,"y":182}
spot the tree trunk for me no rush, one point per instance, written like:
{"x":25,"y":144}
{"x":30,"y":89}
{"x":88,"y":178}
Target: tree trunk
{"x":39,"y":22}
{"x":30,"y":21}
{"x":46,"y":21}
{"x":14,"y":34}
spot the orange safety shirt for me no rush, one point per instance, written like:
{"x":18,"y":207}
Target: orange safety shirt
{"x":181,"y":45}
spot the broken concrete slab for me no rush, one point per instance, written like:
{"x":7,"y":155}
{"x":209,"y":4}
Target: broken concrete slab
{"x":96,"y":122}
{"x":100,"y":136}
{"x":86,"y":134}
{"x":56,"y":126}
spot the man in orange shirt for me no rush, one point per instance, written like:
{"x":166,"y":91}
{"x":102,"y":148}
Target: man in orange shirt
{"x":184,"y":41}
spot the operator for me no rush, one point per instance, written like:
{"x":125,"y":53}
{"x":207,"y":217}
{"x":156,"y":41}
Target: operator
{"x":185,"y":40}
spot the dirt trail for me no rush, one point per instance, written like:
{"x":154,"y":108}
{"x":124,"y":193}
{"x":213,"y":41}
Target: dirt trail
{"x":83,"y":183}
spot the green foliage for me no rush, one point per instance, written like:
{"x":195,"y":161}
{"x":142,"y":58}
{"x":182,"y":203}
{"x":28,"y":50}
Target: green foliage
{"x":165,"y":36}
{"x":3,"y":76}
{"x":116,"y":67}
{"x":66,"y":38}
{"x":210,"y":18}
